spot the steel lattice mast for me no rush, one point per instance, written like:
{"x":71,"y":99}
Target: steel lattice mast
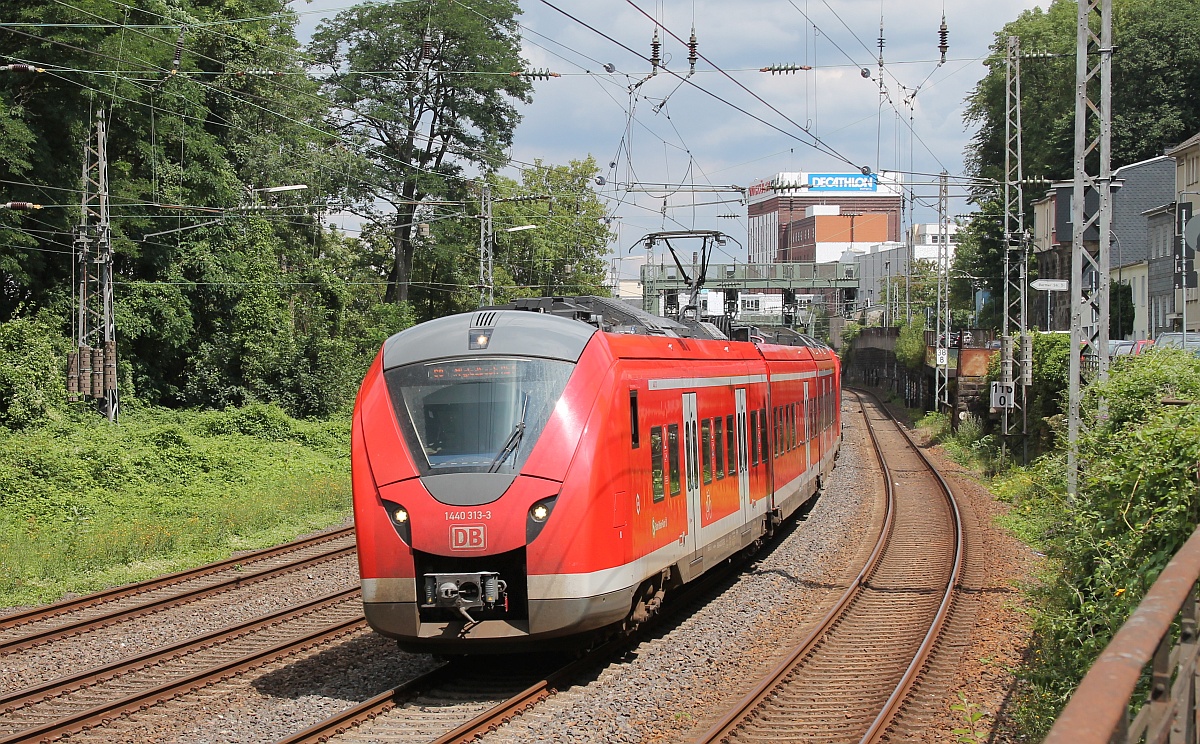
{"x":1089,"y":273}
{"x":941,"y":395}
{"x":92,"y":367}
{"x":1016,"y":248}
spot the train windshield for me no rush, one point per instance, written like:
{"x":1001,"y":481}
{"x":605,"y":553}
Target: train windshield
{"x":475,"y":415}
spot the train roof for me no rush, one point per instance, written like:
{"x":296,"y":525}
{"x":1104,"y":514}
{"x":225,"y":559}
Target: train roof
{"x":616,"y":316}
{"x":558,"y":328}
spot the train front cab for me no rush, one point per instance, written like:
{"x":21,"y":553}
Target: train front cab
{"x":529,"y":523}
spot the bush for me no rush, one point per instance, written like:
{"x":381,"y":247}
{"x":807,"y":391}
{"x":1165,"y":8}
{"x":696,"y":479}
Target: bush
{"x":1137,"y":504}
{"x":84,"y":504}
{"x":32,"y":371}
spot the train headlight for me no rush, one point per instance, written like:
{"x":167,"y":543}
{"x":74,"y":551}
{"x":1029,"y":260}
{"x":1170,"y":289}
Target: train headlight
{"x":538,"y":514}
{"x":399,"y":518}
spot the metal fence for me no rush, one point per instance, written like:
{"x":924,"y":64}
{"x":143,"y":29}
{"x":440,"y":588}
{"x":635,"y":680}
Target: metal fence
{"x":1158,"y":639}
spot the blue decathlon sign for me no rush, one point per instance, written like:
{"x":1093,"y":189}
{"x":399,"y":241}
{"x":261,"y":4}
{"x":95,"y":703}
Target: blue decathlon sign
{"x":842,"y":182}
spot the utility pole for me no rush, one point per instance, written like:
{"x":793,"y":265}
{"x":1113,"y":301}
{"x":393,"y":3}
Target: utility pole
{"x":92,"y":367}
{"x":941,"y":394}
{"x":1090,"y":296}
{"x":1015,"y":266}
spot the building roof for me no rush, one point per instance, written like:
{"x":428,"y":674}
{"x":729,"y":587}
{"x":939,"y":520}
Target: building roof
{"x":1187,"y":143}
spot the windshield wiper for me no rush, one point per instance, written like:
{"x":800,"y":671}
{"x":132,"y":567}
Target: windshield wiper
{"x":513,"y":444}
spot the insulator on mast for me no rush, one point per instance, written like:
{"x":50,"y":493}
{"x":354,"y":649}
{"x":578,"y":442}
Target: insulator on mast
{"x":655,"y":48}
{"x":21,"y":68}
{"x":178,"y":51}
{"x":73,"y":376}
{"x":692,"y":45}
{"x":20,"y":206}
{"x":943,"y":40}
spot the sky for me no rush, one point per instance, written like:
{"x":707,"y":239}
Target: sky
{"x":670,"y":150}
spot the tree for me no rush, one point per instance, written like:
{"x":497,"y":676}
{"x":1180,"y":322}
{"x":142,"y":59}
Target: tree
{"x":1155,"y":82}
{"x":564,"y":255}
{"x":427,"y":88}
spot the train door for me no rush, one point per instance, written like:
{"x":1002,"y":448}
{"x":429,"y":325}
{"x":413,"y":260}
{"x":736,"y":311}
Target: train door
{"x":691,"y":460}
{"x":807,"y":428}
{"x":743,"y":458}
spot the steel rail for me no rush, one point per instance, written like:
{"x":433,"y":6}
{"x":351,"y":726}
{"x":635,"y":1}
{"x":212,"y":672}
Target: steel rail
{"x":892,"y":706}
{"x":106,"y":672}
{"x":108,"y":595}
{"x":508,"y":709}
{"x":368,"y":709}
{"x":88,"y":624}
{"x":105,"y":712}
{"x":736,"y":715}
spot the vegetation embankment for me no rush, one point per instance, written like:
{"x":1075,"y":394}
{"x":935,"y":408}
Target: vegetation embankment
{"x":85,"y":504}
{"x":1138,"y":501}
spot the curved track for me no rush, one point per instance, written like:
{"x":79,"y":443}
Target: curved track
{"x":847,"y":680}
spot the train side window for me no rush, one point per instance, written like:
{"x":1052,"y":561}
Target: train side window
{"x":635,"y":435}
{"x":719,"y":447}
{"x":730,"y":446}
{"x":706,"y":449}
{"x":673,"y":457}
{"x":789,"y":413}
{"x":656,"y":461}
{"x":796,"y":427}
{"x":762,"y":432}
{"x":787,"y":428}
{"x":780,"y":432}
{"x":754,"y":437}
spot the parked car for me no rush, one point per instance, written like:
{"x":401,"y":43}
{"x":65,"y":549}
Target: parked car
{"x":1174,"y":340}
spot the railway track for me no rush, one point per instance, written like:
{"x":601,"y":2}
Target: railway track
{"x":849,"y":678}
{"x":23,"y":630}
{"x":78,"y":700}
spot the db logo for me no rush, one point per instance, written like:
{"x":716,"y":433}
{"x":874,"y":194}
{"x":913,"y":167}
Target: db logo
{"x":468,"y":537}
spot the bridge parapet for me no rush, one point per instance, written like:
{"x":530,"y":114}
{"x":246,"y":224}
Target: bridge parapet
{"x":1099,"y":711}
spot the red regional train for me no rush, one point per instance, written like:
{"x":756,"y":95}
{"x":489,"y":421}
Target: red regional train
{"x":551,"y":469}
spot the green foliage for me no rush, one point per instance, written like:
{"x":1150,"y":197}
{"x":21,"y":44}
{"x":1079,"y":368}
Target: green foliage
{"x":32,"y":371}
{"x":417,"y":131}
{"x":910,"y":346}
{"x":1137,"y":504}
{"x":1155,"y":81}
{"x":84,"y":504}
{"x":565,"y":254}
{"x":971,"y":717}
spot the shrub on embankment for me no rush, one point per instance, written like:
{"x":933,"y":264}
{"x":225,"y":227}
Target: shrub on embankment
{"x":85,"y":504}
{"x":1137,"y":503}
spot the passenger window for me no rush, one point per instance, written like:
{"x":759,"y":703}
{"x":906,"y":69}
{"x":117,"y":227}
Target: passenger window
{"x":762,"y":432}
{"x":656,"y":461}
{"x":635,"y":435}
{"x":706,"y":449}
{"x":754,"y":437}
{"x":673,"y":457}
{"x":718,"y":447}
{"x":730,"y":446}
{"x":795,"y":419}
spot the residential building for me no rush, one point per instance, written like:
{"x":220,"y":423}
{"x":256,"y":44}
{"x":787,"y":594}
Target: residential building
{"x":1137,"y":187}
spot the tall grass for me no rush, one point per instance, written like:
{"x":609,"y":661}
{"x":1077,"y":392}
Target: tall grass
{"x":88,"y":505}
